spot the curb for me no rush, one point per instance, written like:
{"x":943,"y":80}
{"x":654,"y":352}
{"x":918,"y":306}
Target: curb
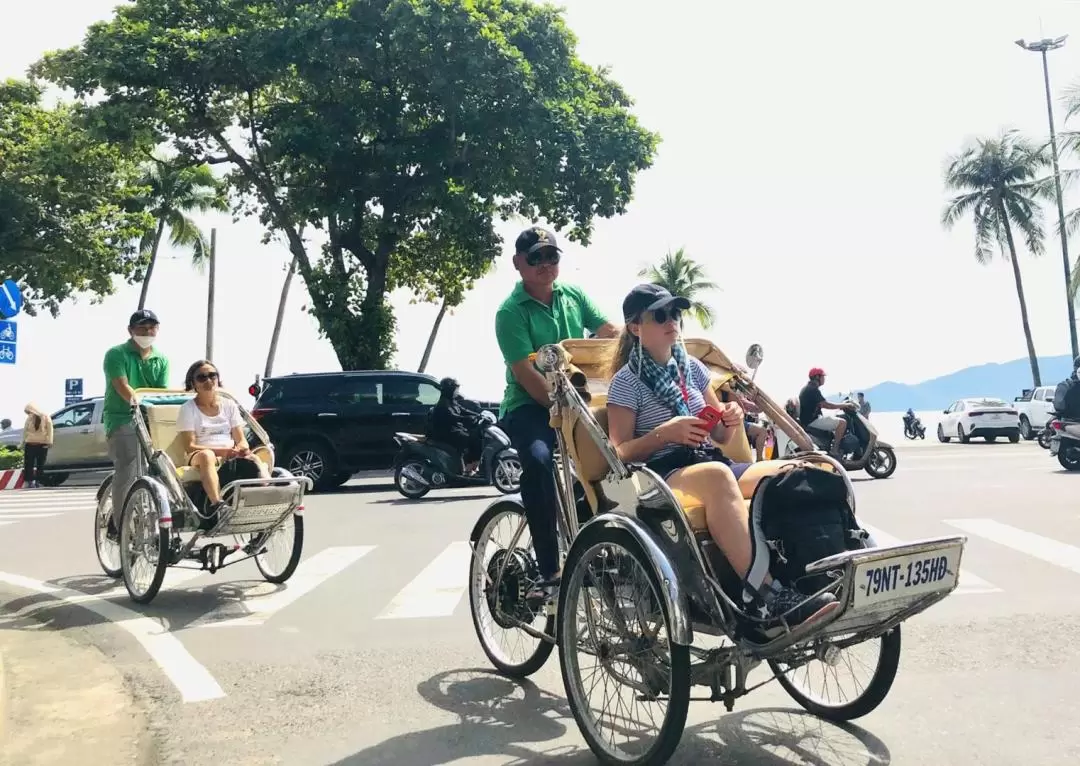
{"x":11,"y":479}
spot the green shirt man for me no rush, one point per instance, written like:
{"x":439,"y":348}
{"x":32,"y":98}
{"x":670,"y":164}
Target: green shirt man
{"x":539,"y":311}
{"x":133,"y":364}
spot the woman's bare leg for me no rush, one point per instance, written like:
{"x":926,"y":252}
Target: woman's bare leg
{"x":725,"y":509}
{"x":206,"y":462}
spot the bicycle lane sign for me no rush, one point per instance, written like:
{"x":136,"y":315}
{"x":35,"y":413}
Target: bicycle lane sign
{"x":9,"y":336}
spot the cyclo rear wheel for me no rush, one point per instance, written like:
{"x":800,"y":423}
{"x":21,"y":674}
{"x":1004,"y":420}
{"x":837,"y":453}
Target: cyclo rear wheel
{"x":496,"y":601}
{"x":108,"y":552}
{"x":610,"y":605}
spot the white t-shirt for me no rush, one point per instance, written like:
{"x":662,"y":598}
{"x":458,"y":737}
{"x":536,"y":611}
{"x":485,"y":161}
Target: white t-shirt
{"x":210,"y":431}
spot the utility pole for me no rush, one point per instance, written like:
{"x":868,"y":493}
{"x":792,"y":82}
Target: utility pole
{"x":210,"y":296}
{"x":1042,"y":46}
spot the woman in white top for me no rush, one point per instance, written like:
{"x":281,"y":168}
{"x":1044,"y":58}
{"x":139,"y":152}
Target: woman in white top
{"x":212,"y":432}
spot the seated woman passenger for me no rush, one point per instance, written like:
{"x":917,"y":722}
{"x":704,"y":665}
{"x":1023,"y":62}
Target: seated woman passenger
{"x":211,"y":430}
{"x":656,"y":390}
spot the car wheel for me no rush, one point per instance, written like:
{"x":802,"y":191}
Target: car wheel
{"x":315,"y":460}
{"x":964,"y":438}
{"x":941,"y":437}
{"x":1014,"y":438}
{"x":1025,"y":428}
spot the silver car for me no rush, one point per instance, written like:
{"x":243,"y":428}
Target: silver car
{"x":78,"y":446}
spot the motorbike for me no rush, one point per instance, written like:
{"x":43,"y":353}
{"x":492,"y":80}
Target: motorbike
{"x":1065,"y":443}
{"x":1045,"y":435}
{"x":860,"y":448}
{"x":914,"y":429}
{"x":423,"y":464}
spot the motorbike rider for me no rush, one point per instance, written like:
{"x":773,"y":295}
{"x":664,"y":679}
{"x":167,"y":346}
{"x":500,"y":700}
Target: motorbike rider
{"x":539,"y":311}
{"x":455,"y":424}
{"x":1067,"y":395}
{"x":909,"y":419}
{"x":812,"y":402}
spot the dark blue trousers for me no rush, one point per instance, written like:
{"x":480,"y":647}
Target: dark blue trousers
{"x":534,"y":439}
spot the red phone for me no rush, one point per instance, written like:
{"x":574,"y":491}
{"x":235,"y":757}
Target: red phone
{"x":710,"y":415}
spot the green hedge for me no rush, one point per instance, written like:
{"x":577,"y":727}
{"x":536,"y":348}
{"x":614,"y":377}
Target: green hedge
{"x":10,"y":458}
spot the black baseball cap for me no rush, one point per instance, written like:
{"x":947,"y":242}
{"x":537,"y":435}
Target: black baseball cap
{"x":650,"y":297}
{"x":143,"y":316}
{"x":535,"y":238}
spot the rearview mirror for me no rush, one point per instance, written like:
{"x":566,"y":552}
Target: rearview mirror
{"x":754,"y":355}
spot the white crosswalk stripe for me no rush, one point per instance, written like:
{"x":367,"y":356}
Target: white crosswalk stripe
{"x":436,"y":591}
{"x":29,"y":504}
{"x":1043,"y":548}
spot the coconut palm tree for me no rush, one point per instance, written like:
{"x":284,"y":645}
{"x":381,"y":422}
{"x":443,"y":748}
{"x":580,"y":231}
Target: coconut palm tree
{"x":683,"y":276}
{"x":176,"y":191}
{"x":1000,"y":182}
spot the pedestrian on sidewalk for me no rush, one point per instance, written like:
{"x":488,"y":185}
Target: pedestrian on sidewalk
{"x":37,"y":438}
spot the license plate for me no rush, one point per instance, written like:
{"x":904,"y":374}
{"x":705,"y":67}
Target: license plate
{"x":906,"y":576}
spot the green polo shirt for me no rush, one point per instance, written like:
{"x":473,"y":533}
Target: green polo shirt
{"x":126,"y":361}
{"x":523,"y":325}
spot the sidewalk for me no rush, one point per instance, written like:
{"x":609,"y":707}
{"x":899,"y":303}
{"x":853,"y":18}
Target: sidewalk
{"x":63,"y":703}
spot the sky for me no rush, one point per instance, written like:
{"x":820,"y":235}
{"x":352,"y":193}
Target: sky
{"x":803,"y":146}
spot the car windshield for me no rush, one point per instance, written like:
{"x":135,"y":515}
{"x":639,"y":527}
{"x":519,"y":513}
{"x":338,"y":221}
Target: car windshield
{"x":988,"y":403}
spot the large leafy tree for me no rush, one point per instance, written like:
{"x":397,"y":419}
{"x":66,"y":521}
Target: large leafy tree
{"x":380,"y":122}
{"x":1000,"y":182}
{"x":683,"y":276}
{"x":70,"y":216}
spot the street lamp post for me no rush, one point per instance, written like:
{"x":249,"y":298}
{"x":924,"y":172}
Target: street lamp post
{"x":1042,"y":46}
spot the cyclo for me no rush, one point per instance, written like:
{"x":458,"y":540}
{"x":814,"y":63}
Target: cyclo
{"x":264,"y":516}
{"x":649,"y":600}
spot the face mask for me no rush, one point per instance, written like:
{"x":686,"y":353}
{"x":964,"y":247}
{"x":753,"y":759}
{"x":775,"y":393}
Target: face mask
{"x":143,"y":341}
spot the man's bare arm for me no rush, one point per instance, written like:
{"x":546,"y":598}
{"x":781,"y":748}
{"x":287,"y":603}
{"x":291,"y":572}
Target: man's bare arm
{"x":122,"y":387}
{"x":529,"y":378}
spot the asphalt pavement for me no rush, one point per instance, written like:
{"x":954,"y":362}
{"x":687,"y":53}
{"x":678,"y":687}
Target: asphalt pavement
{"x":368,"y":655}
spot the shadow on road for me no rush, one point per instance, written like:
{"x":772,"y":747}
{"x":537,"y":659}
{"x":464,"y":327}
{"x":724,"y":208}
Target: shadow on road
{"x":511,"y":719}
{"x":435,"y":500}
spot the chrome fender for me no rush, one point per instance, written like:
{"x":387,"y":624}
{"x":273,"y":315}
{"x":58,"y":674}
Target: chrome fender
{"x":161,"y":495}
{"x":671,"y":591}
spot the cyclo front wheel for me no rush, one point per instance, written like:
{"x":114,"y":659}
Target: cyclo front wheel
{"x":497,"y":601}
{"x":610,"y":609}
{"x":144,"y":544}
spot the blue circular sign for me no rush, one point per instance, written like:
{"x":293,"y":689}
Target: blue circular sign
{"x":11,"y":299}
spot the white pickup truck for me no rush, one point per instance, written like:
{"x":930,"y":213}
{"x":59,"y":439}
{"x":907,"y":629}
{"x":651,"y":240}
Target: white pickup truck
{"x":1036,"y":408}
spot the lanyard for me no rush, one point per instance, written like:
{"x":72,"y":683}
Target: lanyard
{"x":682,"y":387}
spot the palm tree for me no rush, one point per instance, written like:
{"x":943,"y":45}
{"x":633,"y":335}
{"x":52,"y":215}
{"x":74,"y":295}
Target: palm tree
{"x":176,"y":191}
{"x":683,"y":276}
{"x":1000,"y":181}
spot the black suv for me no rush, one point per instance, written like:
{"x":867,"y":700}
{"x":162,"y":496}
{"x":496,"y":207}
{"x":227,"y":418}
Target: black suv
{"x":329,"y":425}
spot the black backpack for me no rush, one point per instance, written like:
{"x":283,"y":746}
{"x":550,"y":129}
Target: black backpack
{"x":797,"y":517}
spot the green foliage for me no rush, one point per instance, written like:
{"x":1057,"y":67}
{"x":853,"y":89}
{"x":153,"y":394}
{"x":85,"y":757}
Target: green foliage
{"x":685,"y":277}
{"x":69,"y":213}
{"x":10,"y":458}
{"x":401,"y":128}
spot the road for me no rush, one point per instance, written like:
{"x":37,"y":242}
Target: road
{"x":368,"y":655}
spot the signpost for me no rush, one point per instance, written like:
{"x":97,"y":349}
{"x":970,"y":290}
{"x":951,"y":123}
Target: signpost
{"x":11,"y":299}
{"x":9,"y":336}
{"x":73,"y":391}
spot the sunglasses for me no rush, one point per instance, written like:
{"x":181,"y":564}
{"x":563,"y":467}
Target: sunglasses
{"x":661,"y":316}
{"x":547,"y":255}
{"x":202,"y":377}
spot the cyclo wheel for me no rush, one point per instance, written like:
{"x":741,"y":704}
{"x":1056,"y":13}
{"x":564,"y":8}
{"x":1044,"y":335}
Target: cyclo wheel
{"x":492,"y":600}
{"x":108,"y":552}
{"x":279,"y":568}
{"x":598,"y":569}
{"x":143,"y":541}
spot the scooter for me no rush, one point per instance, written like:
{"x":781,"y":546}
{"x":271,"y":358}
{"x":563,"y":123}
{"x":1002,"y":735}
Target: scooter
{"x":914,"y":429}
{"x":423,"y":464}
{"x":860,"y":448}
{"x":1065,"y":443}
{"x":1045,"y":435}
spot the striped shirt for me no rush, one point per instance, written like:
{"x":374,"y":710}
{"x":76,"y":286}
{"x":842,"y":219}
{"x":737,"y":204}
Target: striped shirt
{"x":628,"y":390}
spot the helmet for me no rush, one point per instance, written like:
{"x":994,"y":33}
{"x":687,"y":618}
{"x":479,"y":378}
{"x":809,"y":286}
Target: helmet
{"x":815,"y":372}
{"x":447,"y":386}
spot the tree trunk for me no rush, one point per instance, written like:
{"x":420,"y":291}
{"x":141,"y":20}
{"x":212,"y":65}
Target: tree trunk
{"x":1020,"y":294}
{"x":431,"y":336}
{"x":268,"y":371}
{"x":153,"y":261}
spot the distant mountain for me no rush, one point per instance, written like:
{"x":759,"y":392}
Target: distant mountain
{"x":1006,"y":380}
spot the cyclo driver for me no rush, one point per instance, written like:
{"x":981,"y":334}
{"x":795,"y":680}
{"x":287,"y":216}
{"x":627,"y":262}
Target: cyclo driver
{"x":540,"y":311}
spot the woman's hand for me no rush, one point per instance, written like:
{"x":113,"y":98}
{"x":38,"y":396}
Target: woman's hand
{"x":689,"y":431}
{"x":731,"y":414}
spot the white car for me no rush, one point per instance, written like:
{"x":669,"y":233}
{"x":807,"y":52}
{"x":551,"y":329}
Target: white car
{"x":985,"y":417}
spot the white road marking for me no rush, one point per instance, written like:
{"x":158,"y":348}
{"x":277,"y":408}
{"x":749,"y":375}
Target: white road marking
{"x":1044,"y":548}
{"x":436,"y":591}
{"x":23,"y":516}
{"x":191,"y":679}
{"x":310,"y":574}
{"x":968,"y":583}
